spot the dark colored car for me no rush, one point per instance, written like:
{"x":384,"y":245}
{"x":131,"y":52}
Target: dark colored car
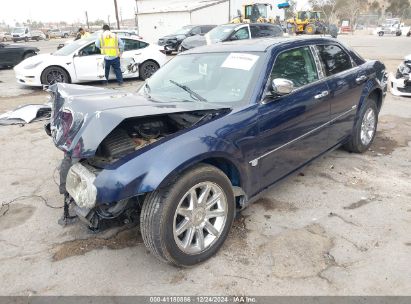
{"x":172,"y":42}
{"x":12,"y":54}
{"x":208,"y":133}
{"x":231,"y":32}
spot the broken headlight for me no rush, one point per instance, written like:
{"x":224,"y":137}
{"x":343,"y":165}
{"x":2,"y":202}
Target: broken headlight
{"x":80,"y":186}
{"x":403,"y":70}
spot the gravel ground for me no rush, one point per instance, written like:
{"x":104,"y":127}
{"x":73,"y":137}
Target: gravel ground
{"x":340,"y":227}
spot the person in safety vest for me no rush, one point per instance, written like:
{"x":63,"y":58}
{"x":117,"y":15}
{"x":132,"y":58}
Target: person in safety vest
{"x":112,"y":47}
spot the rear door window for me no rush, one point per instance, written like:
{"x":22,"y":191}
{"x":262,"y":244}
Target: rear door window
{"x":130,"y":45}
{"x":241,"y":34}
{"x":297,"y":65}
{"x":334,"y":59}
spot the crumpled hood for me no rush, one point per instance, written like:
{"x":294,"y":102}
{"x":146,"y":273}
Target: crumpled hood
{"x":82,"y":116}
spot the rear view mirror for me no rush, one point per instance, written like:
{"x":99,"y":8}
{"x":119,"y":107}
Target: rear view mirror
{"x":282,"y":86}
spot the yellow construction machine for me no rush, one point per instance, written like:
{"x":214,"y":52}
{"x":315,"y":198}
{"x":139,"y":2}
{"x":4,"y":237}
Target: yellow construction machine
{"x":255,"y":12}
{"x":308,"y":22}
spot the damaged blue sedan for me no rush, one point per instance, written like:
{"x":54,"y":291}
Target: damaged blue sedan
{"x":207,"y":134}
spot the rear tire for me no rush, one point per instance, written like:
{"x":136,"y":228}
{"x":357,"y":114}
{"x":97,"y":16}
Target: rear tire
{"x":147,"y":69}
{"x":380,"y":34}
{"x":364,"y":129}
{"x":188,"y":239}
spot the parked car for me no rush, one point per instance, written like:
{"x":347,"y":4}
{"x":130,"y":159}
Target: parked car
{"x":208,"y":133}
{"x":12,"y":54}
{"x":82,"y":61}
{"x":21,"y":33}
{"x":172,"y":42}
{"x":57,"y":33}
{"x":5,"y":37}
{"x":231,"y":32}
{"x":38,"y":35}
{"x":120,"y":33}
{"x":127,"y":33}
{"x":400,"y":82}
{"x":392,"y":26}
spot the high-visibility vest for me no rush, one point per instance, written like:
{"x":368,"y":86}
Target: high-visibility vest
{"x":109,"y":45}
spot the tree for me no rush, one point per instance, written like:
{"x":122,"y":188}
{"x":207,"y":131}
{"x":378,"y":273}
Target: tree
{"x":350,"y":9}
{"x":329,"y":7}
{"x":398,"y":7}
{"x":289,"y":12}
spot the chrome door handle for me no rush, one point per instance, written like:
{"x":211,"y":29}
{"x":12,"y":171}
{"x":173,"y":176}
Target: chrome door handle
{"x":321,"y":95}
{"x":361,"y":79}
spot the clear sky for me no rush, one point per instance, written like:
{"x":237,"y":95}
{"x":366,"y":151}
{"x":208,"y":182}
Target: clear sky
{"x":70,"y":10}
{"x":63,"y":10}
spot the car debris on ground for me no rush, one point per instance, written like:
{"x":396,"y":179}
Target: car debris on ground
{"x":26,"y":114}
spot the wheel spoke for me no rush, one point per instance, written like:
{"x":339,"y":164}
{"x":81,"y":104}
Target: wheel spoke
{"x":188,"y":239}
{"x":193,"y":199}
{"x":200,"y":238}
{"x":204,"y":195}
{"x":210,"y":228}
{"x":184,"y":212}
{"x":213,"y":200}
{"x":214,"y":213}
{"x":183,"y":226}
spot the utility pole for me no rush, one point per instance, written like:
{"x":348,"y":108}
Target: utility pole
{"x":116,"y":9}
{"x":138,"y":29}
{"x":88,"y":26}
{"x":108,"y":20}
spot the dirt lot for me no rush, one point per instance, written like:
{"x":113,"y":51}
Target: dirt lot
{"x":340,"y":227}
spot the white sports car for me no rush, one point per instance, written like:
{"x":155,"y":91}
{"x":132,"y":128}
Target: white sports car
{"x":81,"y":61}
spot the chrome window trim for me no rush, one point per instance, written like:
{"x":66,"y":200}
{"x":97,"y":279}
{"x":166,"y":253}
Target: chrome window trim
{"x":254,"y":162}
{"x":353,"y":64}
{"x":296,"y":89}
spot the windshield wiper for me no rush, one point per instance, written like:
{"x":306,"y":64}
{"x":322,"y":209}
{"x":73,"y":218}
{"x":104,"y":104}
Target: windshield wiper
{"x":190,"y":91}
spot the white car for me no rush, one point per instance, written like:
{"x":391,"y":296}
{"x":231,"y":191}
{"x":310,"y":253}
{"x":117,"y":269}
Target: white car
{"x":81,"y":61}
{"x":400,"y":82}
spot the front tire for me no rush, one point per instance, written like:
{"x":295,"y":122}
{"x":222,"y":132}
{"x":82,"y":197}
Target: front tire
{"x":54,"y":74}
{"x":187,"y":221}
{"x":364,"y":129}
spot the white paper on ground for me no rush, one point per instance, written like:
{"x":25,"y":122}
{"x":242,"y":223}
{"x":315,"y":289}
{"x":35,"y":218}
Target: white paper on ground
{"x":240,"y":61}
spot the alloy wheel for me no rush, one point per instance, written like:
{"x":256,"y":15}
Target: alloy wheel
{"x":368,"y":127}
{"x":55,"y":76}
{"x":149,"y":70}
{"x":200,"y":218}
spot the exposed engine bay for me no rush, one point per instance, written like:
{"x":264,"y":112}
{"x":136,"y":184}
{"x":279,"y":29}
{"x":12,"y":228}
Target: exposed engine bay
{"x":401,"y":82}
{"x":136,"y":133}
{"x":129,"y":136}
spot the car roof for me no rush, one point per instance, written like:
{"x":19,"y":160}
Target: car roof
{"x":255,"y":45}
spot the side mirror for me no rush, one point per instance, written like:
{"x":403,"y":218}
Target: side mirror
{"x":281,"y":86}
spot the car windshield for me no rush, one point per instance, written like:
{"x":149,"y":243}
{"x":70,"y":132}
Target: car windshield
{"x":72,"y":47}
{"x":183,"y":31}
{"x":220,"y":33}
{"x":19,"y":30}
{"x":209,"y":77}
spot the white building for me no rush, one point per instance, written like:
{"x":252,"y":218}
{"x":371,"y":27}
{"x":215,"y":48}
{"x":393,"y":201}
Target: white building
{"x":158,"y":18}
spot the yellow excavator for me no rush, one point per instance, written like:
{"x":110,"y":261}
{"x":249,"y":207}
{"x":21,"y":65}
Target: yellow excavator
{"x":308,"y":22}
{"x":255,"y":12}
